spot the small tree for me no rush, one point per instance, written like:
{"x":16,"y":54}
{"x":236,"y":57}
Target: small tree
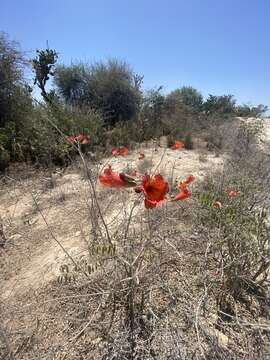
{"x":153,"y":104}
{"x":43,"y":66}
{"x":110,"y":87}
{"x":187,"y":96}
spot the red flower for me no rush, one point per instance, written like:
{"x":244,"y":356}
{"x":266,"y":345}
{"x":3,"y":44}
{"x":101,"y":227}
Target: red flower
{"x":178,"y":145}
{"x":122,"y":150}
{"x":113,"y":179}
{"x":154,"y":189}
{"x":184,"y":191}
{"x":78,"y":139}
{"x":183,"y":185}
{"x":231,"y":192}
{"x":182,"y":195}
{"x":142,"y":156}
{"x":85,"y":140}
{"x":71,"y":139}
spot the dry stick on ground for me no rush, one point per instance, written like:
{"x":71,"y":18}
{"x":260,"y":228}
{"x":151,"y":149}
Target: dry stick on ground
{"x":201,"y":301}
{"x":8,"y":354}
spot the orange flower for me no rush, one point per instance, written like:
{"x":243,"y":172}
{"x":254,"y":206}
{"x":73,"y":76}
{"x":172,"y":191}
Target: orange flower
{"x":113,"y":179}
{"x":183,"y":184}
{"x":231,"y":192}
{"x":82,"y":139}
{"x":217,"y":205}
{"x":154,"y":189}
{"x":178,"y":145}
{"x":184,"y":191}
{"x":142,"y":156}
{"x":182,"y":195}
{"x":71,"y":139}
{"x":122,"y":150}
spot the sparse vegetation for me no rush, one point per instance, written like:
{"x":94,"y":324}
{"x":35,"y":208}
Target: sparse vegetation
{"x":128,"y":251}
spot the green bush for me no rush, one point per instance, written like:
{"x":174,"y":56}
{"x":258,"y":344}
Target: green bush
{"x":4,"y":158}
{"x":251,"y":111}
{"x":224,"y":104}
{"x":187,"y":96}
{"x":111,"y":88}
{"x":188,"y":142}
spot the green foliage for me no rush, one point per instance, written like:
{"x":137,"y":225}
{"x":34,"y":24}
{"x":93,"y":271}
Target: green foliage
{"x":43,"y":66}
{"x":43,"y":144}
{"x":224,"y":104}
{"x":4,"y":158}
{"x":15,"y":100}
{"x":238,"y":230}
{"x":94,"y":98}
{"x":188,"y":141}
{"x":153,"y":105}
{"x":110,"y":87}
{"x":251,"y":111}
{"x":188,"y":96}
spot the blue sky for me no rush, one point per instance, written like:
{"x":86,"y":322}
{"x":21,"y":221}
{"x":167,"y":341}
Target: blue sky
{"x":217,"y":46}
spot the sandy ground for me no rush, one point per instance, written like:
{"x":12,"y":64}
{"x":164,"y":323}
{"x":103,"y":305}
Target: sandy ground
{"x":32,"y":256}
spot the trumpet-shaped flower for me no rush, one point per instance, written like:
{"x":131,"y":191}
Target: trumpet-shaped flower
{"x":112,"y":179}
{"x":154,"y":189}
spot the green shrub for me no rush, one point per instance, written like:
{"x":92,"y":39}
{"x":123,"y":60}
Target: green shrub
{"x":238,"y":231}
{"x":187,"y":96}
{"x":188,"y":142}
{"x":4,"y":159}
{"x":111,"y":88}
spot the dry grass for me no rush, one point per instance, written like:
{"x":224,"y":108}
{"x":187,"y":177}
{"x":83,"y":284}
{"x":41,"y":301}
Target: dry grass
{"x":88,"y":273}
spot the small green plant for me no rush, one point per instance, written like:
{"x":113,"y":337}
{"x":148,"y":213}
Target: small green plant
{"x":188,"y":142}
{"x":4,"y":158}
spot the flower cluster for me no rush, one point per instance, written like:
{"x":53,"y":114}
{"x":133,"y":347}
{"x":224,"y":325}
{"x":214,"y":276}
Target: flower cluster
{"x":154,"y":188}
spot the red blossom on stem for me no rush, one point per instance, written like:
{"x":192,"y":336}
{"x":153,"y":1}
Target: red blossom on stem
{"x":112,"y":179}
{"x":122,"y":151}
{"x":154,"y":189}
{"x":184,"y":191}
{"x":178,"y":145}
{"x":79,"y":139}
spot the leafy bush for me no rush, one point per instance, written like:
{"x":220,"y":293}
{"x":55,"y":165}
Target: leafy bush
{"x":188,"y":142}
{"x":4,"y":158}
{"x":224,"y":104}
{"x":236,"y":222}
{"x":187,"y":96}
{"x":15,"y":99}
{"x":110,"y":87}
{"x":251,"y":111}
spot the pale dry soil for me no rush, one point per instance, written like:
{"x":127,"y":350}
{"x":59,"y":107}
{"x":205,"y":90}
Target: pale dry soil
{"x":33,"y":211}
{"x":40,"y":210}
